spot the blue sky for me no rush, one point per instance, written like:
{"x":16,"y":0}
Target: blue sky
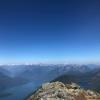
{"x":49,"y":31}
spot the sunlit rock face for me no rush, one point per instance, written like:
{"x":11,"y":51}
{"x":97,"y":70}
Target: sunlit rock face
{"x":60,"y":91}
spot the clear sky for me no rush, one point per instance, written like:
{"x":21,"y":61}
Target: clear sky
{"x":49,"y":31}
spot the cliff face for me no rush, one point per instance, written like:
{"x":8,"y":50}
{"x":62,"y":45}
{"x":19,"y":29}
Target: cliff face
{"x":60,"y":91}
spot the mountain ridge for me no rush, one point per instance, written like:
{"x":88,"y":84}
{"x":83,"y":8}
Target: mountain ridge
{"x":60,"y":91}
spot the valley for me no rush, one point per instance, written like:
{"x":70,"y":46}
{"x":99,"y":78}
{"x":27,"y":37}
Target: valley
{"x":19,"y":81}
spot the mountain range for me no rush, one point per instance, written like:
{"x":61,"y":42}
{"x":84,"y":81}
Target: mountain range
{"x":87,"y":76}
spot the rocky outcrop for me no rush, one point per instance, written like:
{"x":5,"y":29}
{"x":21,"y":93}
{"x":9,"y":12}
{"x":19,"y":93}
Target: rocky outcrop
{"x":60,"y":91}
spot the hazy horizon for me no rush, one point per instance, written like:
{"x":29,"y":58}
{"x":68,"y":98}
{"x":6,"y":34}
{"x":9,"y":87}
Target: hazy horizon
{"x":50,"y":63}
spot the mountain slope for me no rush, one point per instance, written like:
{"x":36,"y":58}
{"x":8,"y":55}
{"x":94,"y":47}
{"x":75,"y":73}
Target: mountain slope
{"x":88,"y":80}
{"x":60,"y":91}
{"x":4,"y":80}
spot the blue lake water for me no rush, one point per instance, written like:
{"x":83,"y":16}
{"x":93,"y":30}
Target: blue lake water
{"x":19,"y":92}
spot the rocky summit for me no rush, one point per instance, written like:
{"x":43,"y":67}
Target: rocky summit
{"x":60,"y":91}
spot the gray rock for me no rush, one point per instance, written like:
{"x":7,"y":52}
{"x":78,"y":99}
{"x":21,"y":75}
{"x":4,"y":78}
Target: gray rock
{"x":60,"y":91}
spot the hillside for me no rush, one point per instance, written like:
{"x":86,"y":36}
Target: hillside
{"x":88,"y":80}
{"x":60,"y":91}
